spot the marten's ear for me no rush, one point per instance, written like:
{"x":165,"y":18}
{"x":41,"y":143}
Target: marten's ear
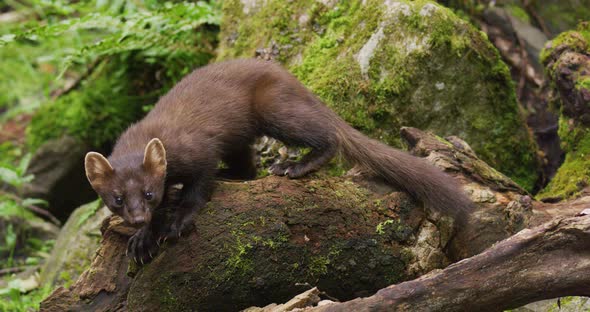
{"x":98,"y":169}
{"x":154,"y":157}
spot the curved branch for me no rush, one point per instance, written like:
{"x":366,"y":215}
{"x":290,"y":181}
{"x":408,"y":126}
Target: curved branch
{"x":549,"y":261}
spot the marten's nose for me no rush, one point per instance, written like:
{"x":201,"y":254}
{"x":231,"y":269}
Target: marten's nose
{"x":137,"y":220}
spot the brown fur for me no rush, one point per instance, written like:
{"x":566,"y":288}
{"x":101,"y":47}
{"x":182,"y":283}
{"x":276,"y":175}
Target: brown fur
{"x":215,"y":114}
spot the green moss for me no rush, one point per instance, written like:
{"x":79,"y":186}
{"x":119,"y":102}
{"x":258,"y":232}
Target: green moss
{"x":96,"y":113}
{"x":576,"y":40}
{"x":573,"y":174}
{"x":318,"y":265}
{"x":119,"y":92}
{"x":239,"y":261}
{"x":583,"y":83}
{"x":89,"y":211}
{"x":519,"y":12}
{"x":407,"y":80}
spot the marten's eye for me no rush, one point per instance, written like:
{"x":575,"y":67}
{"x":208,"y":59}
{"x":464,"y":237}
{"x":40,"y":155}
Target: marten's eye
{"x":149,"y":195}
{"x":119,"y":201}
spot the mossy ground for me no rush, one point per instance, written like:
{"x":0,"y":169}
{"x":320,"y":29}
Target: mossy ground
{"x":407,"y":81}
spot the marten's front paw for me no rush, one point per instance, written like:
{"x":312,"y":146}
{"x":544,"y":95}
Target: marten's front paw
{"x":142,"y":246}
{"x":288,"y":168}
{"x":179,"y":227}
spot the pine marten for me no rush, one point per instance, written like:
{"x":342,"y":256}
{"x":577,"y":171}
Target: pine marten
{"x":214,"y":114}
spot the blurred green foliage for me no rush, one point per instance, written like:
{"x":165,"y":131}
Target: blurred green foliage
{"x":88,"y":69}
{"x":125,"y":56}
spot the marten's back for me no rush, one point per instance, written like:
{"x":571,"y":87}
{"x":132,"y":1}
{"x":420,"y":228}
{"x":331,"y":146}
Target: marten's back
{"x":212,"y":104}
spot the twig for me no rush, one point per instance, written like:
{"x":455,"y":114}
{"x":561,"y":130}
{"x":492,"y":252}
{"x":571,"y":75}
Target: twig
{"x":528,"y":7}
{"x":12,"y":270}
{"x":33,"y":208}
{"x":66,"y":89}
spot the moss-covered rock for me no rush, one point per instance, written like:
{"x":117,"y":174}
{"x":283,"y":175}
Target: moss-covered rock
{"x":568,"y":68}
{"x":386,"y":64}
{"x":100,"y":109}
{"x":75,"y":246}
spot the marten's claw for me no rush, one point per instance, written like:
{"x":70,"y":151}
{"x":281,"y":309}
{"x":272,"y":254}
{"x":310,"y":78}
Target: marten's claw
{"x":142,"y":246}
{"x":290,"y":169}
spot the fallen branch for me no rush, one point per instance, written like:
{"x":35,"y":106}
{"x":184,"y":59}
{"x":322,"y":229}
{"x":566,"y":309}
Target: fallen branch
{"x":12,"y":270}
{"x":33,"y":208}
{"x":548,"y":261}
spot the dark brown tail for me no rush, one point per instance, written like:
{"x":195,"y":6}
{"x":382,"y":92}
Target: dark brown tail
{"x":423,"y":181}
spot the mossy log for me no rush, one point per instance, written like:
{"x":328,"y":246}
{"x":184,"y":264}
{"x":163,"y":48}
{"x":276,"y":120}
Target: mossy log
{"x":266,"y":240}
{"x":548,"y":261}
{"x":262,"y":241}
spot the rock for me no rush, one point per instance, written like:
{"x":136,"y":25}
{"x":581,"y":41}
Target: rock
{"x":58,"y":167}
{"x":567,"y":63}
{"x":386,"y":64}
{"x":75,"y":246}
{"x":533,"y":38}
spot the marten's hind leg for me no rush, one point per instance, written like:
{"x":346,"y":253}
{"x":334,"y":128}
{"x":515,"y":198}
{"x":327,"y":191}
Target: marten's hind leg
{"x":300,"y":124}
{"x":240,"y":164}
{"x":310,"y":162}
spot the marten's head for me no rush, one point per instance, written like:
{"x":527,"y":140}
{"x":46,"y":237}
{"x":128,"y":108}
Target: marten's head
{"x":131,"y":186}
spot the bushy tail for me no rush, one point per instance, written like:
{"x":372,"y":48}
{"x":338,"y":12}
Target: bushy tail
{"x":423,"y":181}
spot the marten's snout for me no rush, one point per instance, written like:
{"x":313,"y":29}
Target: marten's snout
{"x":138,"y":220}
{"x":138,"y":217}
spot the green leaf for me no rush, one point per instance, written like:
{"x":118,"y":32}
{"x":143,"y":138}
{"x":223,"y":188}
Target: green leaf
{"x":10,"y":177}
{"x":24,"y":163}
{"x":34,"y":202}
